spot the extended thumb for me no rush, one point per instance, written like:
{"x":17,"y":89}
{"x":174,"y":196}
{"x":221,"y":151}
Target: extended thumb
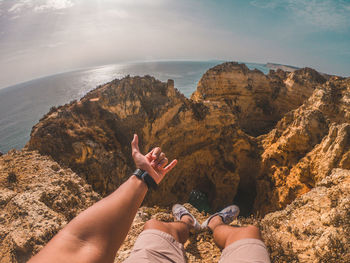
{"x":135,"y":143}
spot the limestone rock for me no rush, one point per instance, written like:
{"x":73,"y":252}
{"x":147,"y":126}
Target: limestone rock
{"x":315,"y":227}
{"x":305,"y":146}
{"x":37,"y":199}
{"x":275,"y":66}
{"x":198,"y":248}
{"x":268,"y":141}
{"x":257,"y":100}
{"x":244,"y":137}
{"x":93,"y":136}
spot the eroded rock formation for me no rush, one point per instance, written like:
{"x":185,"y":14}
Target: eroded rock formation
{"x":257,"y":100}
{"x":258,"y":140}
{"x":305,"y":146}
{"x":37,"y":199}
{"x":269,"y":143}
{"x":93,"y":137}
{"x":315,"y":227}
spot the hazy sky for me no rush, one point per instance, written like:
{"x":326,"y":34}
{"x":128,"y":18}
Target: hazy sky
{"x":42,"y":37}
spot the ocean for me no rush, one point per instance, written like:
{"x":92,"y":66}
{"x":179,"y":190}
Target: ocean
{"x":22,"y":105}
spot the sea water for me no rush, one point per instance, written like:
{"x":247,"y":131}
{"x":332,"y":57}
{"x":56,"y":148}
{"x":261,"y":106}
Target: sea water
{"x":22,"y":105}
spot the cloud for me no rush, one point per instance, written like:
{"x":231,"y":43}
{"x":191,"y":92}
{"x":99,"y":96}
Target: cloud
{"x":324,"y":14}
{"x":54,"y":5}
{"x":119,"y":13}
{"x":53,"y":45}
{"x":346,"y":7}
{"x":16,"y":8}
{"x":264,"y":3}
{"x":39,"y":6}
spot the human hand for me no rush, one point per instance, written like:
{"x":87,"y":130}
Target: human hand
{"x":153,"y":162}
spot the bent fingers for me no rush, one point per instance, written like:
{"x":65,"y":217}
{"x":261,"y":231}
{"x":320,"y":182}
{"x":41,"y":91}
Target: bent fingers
{"x":170,"y":166}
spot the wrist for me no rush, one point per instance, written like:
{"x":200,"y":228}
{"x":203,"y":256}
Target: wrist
{"x":145,"y":169}
{"x":137,"y":182}
{"x":144,"y":176}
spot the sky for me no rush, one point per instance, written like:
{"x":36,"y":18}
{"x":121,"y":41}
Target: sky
{"x":44,"y":37}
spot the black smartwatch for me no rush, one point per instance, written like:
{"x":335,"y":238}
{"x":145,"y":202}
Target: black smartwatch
{"x":144,"y":176}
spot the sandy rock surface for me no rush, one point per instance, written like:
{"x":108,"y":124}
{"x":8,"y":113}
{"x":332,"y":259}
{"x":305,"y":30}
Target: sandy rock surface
{"x":37,"y":199}
{"x":199,"y":248}
{"x":315,"y":227}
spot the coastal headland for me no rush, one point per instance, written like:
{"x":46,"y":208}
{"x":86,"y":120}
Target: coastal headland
{"x":278,"y":145}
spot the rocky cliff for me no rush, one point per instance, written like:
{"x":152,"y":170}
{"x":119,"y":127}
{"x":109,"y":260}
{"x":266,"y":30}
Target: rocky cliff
{"x":243,"y":136}
{"x":315,"y":227}
{"x":305,"y":146}
{"x":268,"y":143}
{"x":93,"y":137}
{"x":257,"y":100}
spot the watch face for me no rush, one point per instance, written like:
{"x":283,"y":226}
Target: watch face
{"x":138,"y":173}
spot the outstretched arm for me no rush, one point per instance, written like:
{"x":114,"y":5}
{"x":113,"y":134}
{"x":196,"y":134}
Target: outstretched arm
{"x":96,"y":234}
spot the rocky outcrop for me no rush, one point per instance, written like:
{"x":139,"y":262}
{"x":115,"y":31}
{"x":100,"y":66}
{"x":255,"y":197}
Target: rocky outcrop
{"x":257,"y":100}
{"x":245,"y":137}
{"x":268,"y":143}
{"x":315,"y":227}
{"x":275,"y":66}
{"x":37,"y":198}
{"x":93,"y":137}
{"x":305,"y":146}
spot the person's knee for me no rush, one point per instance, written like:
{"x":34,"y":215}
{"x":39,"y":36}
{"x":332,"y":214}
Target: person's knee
{"x":253,"y":231}
{"x":152,"y":224}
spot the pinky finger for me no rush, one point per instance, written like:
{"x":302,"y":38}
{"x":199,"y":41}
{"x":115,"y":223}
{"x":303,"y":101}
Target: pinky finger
{"x":170,"y":166}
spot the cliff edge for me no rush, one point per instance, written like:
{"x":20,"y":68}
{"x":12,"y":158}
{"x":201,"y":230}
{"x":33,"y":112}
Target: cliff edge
{"x":37,"y":199}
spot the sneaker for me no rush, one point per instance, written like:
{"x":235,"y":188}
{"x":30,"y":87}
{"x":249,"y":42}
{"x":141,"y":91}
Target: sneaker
{"x":179,"y":211}
{"x":227,"y":214}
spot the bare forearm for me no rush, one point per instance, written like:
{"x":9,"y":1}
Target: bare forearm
{"x":97,"y":233}
{"x":103,"y":227}
{"x":113,"y":214}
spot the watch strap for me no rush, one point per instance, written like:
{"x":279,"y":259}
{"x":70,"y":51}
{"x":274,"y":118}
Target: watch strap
{"x":138,"y":173}
{"x":149,"y":181}
{"x":144,"y":176}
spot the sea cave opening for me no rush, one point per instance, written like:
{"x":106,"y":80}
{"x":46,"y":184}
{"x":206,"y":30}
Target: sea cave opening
{"x":202,"y":196}
{"x":245,"y":197}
